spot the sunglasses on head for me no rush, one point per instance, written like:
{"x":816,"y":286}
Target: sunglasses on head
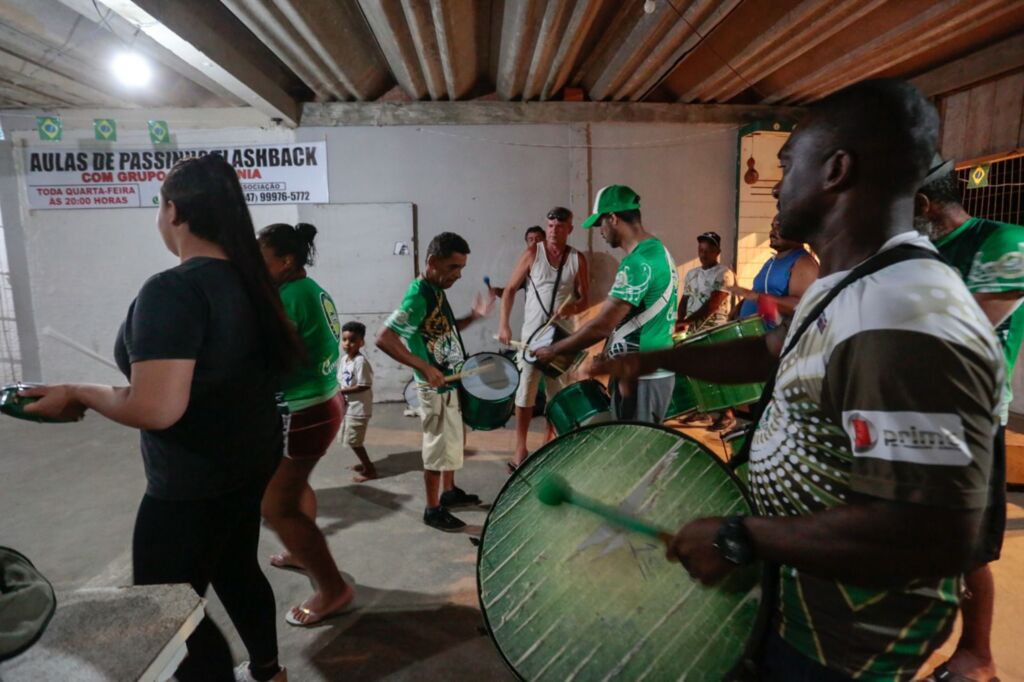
{"x":559,"y":215}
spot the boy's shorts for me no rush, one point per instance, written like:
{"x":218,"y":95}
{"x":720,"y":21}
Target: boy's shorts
{"x":441,"y":418}
{"x":353,"y":431}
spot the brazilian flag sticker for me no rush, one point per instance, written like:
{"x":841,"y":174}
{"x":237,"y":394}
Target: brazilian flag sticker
{"x":978,"y":177}
{"x":50,"y":128}
{"x":159,"y":133}
{"x":105,"y":129}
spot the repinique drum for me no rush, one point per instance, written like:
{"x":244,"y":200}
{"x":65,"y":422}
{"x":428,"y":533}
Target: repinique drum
{"x":561,"y":364}
{"x":14,"y":405}
{"x":582,"y":403}
{"x":566,"y":596}
{"x":713,"y":397}
{"x":488,"y":398}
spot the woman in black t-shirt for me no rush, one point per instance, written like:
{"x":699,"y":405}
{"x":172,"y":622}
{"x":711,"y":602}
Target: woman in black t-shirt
{"x":203,"y":347}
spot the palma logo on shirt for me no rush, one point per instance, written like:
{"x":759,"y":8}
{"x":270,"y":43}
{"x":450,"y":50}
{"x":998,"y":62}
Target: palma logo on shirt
{"x":331,"y":313}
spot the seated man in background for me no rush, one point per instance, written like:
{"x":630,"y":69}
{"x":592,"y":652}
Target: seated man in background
{"x":705,"y":303}
{"x":783,"y":278}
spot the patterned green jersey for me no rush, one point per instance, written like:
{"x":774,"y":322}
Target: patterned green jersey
{"x":312,"y":311}
{"x":425,"y":322}
{"x":990,"y":258}
{"x":860,"y":407}
{"x":643,"y":278}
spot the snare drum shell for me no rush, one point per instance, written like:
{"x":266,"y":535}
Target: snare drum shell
{"x":579,"y":404}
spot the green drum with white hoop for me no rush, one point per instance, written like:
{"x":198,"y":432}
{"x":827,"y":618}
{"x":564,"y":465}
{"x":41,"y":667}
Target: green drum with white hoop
{"x":714,"y":397}
{"x":487,"y":390}
{"x":582,"y":403}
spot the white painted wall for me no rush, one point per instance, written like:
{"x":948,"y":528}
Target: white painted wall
{"x":487,"y":183}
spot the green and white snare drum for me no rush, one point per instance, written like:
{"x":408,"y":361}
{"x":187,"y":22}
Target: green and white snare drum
{"x":582,"y":403}
{"x":566,"y":596}
{"x":487,"y":394}
{"x":713,"y":397}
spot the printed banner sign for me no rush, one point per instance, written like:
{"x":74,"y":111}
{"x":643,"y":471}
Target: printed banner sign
{"x":131,"y":177}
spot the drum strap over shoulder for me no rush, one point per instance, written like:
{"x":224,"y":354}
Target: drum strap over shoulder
{"x":897,"y":254}
{"x":549,"y":311}
{"x":646,"y":316}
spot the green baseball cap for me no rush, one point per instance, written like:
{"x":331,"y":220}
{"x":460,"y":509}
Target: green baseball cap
{"x":611,"y":199}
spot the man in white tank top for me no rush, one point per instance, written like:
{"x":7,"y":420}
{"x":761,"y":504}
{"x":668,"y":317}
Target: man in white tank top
{"x":538,"y":268}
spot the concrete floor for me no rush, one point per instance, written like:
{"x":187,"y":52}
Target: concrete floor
{"x":68,"y":501}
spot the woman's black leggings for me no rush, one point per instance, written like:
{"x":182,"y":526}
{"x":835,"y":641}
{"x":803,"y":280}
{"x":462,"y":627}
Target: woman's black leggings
{"x":204,"y":542}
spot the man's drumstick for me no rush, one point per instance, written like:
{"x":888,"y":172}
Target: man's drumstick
{"x":553,"y":490}
{"x":512,"y":343}
{"x":484,"y":367}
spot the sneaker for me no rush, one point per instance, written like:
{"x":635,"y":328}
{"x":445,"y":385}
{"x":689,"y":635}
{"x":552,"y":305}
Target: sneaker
{"x":457,"y":497}
{"x":441,"y":519}
{"x":242,"y":674}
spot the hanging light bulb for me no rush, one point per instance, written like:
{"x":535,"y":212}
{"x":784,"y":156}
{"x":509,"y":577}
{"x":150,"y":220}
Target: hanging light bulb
{"x":131,"y":69}
{"x":649,"y":7}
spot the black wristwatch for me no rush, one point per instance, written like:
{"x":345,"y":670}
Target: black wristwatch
{"x":734,"y":542}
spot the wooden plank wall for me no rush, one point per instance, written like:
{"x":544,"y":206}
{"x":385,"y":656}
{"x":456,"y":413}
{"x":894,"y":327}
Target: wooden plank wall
{"x":985,"y":120}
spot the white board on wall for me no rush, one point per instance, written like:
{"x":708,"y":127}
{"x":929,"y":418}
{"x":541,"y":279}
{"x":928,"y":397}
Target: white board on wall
{"x":358,"y":266}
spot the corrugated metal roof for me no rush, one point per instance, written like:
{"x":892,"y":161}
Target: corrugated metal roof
{"x":55,"y":52}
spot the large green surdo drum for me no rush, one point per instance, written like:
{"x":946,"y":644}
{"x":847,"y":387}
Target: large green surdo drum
{"x":713,"y":397}
{"x":566,"y":596}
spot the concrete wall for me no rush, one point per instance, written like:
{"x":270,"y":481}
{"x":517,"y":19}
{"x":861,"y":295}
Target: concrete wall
{"x":486,"y":182}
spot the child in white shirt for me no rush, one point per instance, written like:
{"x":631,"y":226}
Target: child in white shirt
{"x":357,"y":390}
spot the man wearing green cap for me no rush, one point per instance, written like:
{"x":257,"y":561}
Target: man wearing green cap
{"x":640,"y":311}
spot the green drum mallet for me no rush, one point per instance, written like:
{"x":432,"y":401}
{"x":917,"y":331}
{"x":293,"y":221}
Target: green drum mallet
{"x":553,"y":490}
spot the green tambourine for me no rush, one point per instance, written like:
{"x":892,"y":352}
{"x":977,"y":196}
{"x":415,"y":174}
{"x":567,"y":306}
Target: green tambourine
{"x":14,"y":405}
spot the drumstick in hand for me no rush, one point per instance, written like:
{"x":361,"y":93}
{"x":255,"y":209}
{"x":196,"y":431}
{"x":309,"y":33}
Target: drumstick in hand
{"x":512,"y":343}
{"x":484,"y":367}
{"x":553,"y":490}
{"x":561,"y":309}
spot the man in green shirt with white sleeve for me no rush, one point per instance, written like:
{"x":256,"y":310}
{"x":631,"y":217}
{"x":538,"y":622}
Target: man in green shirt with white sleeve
{"x":640,"y":311}
{"x":423,"y":334}
{"x":989,"y":256}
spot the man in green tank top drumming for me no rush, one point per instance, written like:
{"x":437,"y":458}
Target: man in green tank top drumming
{"x":989,"y":256}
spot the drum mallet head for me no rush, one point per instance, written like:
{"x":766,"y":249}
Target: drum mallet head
{"x":553,"y":490}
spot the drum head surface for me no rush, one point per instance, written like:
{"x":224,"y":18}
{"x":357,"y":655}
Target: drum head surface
{"x":566,"y":596}
{"x":499,"y":380}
